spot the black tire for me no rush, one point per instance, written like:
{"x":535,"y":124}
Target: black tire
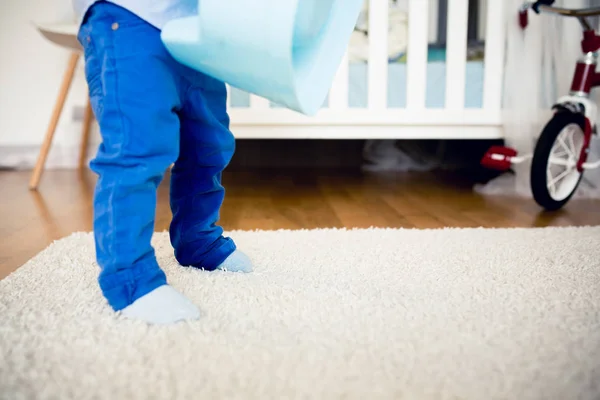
{"x":539,"y":164}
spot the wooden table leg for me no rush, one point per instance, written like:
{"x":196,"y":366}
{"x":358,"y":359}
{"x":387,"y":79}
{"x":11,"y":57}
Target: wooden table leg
{"x":58,"y":107}
{"x":87,"y":128}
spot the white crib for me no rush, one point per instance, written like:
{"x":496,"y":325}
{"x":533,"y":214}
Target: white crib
{"x":419,"y":99}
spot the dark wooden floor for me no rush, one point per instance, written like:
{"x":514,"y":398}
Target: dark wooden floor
{"x":29,"y":221}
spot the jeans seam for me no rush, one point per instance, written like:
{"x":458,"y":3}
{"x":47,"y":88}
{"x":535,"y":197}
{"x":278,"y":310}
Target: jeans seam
{"x":113,"y":217}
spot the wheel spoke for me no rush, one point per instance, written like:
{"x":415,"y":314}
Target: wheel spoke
{"x":565,"y":146}
{"x":562,"y":162}
{"x":555,"y":153}
{"x":571,"y":142}
{"x":551,"y":186}
{"x":554,"y":181}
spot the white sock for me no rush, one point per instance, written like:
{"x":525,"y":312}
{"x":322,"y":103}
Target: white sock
{"x":236,"y":262}
{"x":164,"y":305}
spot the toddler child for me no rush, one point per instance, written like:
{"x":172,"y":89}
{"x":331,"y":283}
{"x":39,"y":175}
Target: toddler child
{"x":153,"y":112}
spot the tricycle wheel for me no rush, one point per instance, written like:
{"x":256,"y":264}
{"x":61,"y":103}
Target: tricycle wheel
{"x":554,"y":173}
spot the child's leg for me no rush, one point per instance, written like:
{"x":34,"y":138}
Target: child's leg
{"x":134,"y":94}
{"x":206,"y":148}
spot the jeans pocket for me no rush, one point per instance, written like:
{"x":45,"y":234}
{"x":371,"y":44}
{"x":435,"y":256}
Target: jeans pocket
{"x":135,"y":39}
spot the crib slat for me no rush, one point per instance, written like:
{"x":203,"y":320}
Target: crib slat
{"x":433,"y":20}
{"x":378,"y":54}
{"x":257,"y":102}
{"x":482,"y":15}
{"x":417,"y":53}
{"x":494,"y":55}
{"x":338,"y":94}
{"x":456,"y":53}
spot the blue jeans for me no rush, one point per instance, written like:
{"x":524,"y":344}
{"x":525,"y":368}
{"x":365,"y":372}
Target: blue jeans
{"x":153,"y":112}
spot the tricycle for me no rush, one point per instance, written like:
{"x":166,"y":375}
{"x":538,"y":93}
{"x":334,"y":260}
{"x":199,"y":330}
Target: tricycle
{"x":560,"y":156}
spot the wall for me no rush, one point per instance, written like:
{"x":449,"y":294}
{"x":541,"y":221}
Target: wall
{"x":31,"y":70}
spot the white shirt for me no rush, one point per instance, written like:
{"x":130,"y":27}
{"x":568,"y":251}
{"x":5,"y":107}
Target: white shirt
{"x":155,"y":12}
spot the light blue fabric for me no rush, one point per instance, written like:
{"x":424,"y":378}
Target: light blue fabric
{"x":286,"y":51}
{"x":237,"y":262}
{"x":155,"y":12}
{"x":435,"y":91}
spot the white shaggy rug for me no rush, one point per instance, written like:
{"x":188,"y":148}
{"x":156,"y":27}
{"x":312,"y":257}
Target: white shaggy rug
{"x":328,"y":314}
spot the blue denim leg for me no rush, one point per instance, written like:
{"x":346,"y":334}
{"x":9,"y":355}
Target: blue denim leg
{"x":135,"y":96}
{"x":207,"y":146}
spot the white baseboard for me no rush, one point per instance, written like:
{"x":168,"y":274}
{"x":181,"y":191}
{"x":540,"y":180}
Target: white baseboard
{"x":25,"y":157}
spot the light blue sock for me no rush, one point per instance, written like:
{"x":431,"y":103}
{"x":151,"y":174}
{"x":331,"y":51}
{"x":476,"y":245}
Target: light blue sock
{"x":162,"y":306}
{"x":236,"y":262}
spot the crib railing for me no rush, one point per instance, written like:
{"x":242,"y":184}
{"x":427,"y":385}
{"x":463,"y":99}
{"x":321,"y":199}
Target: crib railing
{"x":337,"y":119}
